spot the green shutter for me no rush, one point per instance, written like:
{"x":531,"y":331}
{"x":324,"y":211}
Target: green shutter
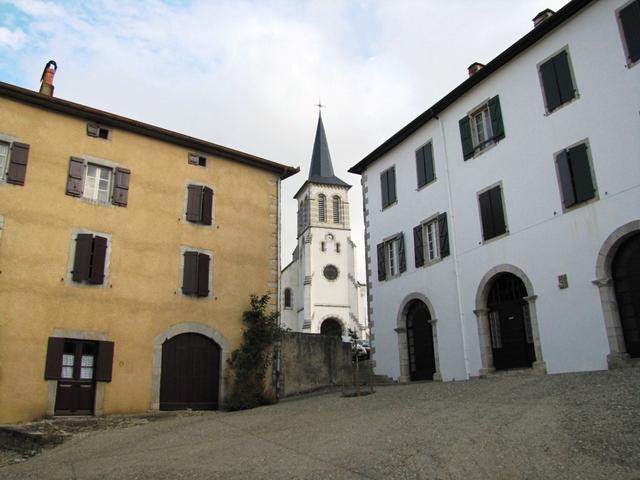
{"x":401,"y":254}
{"x":566,"y":183}
{"x":581,"y":173}
{"x":443,"y":234}
{"x":428,"y":163}
{"x":486,"y":216}
{"x":465,"y":138}
{"x":392,"y":185}
{"x":420,"y":166}
{"x":550,"y":85}
{"x":384,"y":188}
{"x":499,"y":224}
{"x":630,"y":21}
{"x":497,"y":126}
{"x":382,"y":273}
{"x":566,"y":88}
{"x":418,"y":246}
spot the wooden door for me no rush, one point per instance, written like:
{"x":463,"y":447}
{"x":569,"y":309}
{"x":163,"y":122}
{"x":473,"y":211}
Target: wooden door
{"x":75,"y":393}
{"x":190,"y":373}
{"x":422,"y":363}
{"x":510,"y":324}
{"x":626,"y":280}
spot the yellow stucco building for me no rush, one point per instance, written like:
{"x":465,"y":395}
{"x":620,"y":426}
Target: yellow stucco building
{"x":127,"y":256}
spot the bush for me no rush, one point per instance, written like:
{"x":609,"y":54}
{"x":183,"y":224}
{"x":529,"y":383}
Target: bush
{"x":251,"y":361}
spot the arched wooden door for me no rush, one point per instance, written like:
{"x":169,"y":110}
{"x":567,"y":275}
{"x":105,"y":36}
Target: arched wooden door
{"x":510,"y":323}
{"x":422,"y":362}
{"x":331,"y":327}
{"x":626,"y":281}
{"x":190,"y":373}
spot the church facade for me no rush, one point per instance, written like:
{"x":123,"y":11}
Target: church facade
{"x":320,"y":291}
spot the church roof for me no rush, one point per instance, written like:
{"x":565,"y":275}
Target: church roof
{"x":321,"y":170}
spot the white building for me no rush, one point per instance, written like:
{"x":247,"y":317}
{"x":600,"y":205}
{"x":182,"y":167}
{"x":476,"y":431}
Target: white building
{"x":503,"y":224}
{"x":320,"y":290}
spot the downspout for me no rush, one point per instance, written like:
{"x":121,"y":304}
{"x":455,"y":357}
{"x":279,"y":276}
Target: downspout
{"x":278,"y":351}
{"x":452,"y":241}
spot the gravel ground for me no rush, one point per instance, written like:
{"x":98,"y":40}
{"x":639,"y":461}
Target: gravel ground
{"x":508,"y":426}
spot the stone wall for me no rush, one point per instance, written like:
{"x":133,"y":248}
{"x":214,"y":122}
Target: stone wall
{"x":311,"y":362}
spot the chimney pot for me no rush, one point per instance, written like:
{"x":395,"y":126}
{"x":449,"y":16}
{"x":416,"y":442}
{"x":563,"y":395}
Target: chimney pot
{"x":474,"y":68}
{"x":46,"y":85}
{"x":542,"y":16}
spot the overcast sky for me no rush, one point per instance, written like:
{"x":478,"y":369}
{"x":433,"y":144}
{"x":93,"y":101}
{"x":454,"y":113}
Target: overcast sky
{"x":247,"y":74}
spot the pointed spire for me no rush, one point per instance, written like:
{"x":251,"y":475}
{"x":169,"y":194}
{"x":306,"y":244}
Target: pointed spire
{"x":321,"y":170}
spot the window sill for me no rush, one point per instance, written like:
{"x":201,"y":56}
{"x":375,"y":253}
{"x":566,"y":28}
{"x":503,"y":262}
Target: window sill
{"x":632,"y":64}
{"x":389,"y":206}
{"x":213,"y":225}
{"x":483,"y":148}
{"x":577,"y":206}
{"x":428,"y":263}
{"x":497,"y":237}
{"x":421,"y":187}
{"x":548,"y":113}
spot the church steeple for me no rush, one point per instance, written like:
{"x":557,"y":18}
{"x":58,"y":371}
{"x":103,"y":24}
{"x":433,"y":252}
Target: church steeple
{"x":321,"y":170}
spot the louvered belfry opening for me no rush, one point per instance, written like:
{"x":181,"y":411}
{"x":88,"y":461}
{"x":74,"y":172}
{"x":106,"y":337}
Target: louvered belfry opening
{"x":510,"y":323}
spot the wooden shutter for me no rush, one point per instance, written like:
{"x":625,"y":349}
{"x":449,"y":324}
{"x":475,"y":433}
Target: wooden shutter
{"x":566,"y":183}
{"x":499,"y":224}
{"x":82,"y":259}
{"x":203,"y":274}
{"x":630,"y":21}
{"x":402,"y":257}
{"x":382,"y":274}
{"x":486,"y":216}
{"x":443,"y":234}
{"x":98,"y":259}
{"x":53,"y":365}
{"x":418,"y":246}
{"x":193,"y":159}
{"x":75,"y":180}
{"x":194,"y":203}
{"x":121,"y":187}
{"x":465,"y":138}
{"x":93,"y":130}
{"x":392,"y":185}
{"x":18,"y":163}
{"x":549,"y":85}
{"x":563,"y":73}
{"x":420,"y":167}
{"x":207,"y":205}
{"x":581,"y":173}
{"x":190,"y":273}
{"x":384,"y":187}
{"x":428,"y":163}
{"x":497,"y":126}
{"x":104,"y":362}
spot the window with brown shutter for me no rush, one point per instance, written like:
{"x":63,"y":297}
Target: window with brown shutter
{"x":18,"y":163}
{"x":195,"y":273}
{"x":199,"y":204}
{"x":195,"y":159}
{"x":90,"y":259}
{"x":53,"y":365}
{"x":97,"y":182}
{"x":104,"y":362}
{"x":121,"y":187}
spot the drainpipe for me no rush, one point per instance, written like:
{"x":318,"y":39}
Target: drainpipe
{"x":452,"y":241}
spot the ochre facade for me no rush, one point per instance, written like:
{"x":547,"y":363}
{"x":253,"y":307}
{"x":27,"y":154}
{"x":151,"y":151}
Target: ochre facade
{"x":142,"y":296}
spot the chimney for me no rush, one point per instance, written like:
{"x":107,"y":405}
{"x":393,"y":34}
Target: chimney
{"x":474,"y":68}
{"x":46,"y":81}
{"x":542,"y":16}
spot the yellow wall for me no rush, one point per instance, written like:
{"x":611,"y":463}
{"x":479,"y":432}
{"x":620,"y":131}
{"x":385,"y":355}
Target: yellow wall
{"x":143,"y":296}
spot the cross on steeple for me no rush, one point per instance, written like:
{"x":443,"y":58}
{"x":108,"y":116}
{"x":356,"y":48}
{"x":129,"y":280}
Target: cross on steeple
{"x":320,"y":106}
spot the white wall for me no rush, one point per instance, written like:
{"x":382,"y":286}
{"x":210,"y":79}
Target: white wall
{"x":543,"y":241}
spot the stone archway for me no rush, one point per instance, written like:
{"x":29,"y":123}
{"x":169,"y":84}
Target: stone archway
{"x":618,"y":356}
{"x":332,"y":326}
{"x":178,"y":329}
{"x":482,"y":315}
{"x":401,"y":330}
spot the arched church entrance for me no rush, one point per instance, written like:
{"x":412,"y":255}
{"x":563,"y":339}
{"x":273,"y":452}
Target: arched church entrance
{"x":190,"y":375}
{"x":510,"y":323}
{"x":625,"y":271}
{"x":331,"y":327}
{"x":422,"y":362}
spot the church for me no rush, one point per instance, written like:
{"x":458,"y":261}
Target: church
{"x":320,"y":291}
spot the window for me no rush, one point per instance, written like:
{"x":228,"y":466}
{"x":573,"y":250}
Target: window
{"x":287,"y":298}
{"x":195,"y":159}
{"x":98,"y":182}
{"x":337,"y":248}
{"x":337,"y":209}
{"x":94,"y":130}
{"x":199,"y":204}
{"x":322,"y":208}
{"x":13,"y":162}
{"x":388,"y":186}
{"x":431,"y":240}
{"x":424,"y":165}
{"x":492,"y":213}
{"x":196,"y":273}
{"x":557,"y":82}
{"x":629,"y":22}
{"x":481,"y":128}
{"x":391,"y":257}
{"x":322,"y":246}
{"x":90,"y":259}
{"x":73,"y":359}
{"x":575,"y":177}
{"x":330,"y":272}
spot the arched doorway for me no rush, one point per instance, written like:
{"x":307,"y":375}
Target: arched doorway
{"x":331,"y":327}
{"x":422,"y":362}
{"x":190,"y":373}
{"x":510,"y":323}
{"x":625,"y":271}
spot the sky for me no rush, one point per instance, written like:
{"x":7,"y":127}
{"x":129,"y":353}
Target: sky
{"x":247,"y":74}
